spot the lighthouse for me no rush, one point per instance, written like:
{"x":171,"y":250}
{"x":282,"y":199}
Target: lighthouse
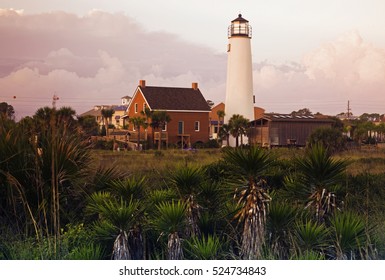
{"x":239,"y":85}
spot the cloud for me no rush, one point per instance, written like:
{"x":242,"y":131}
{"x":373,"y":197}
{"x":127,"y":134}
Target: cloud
{"x":93,"y":59}
{"x":329,"y":76}
{"x":100,"y":57}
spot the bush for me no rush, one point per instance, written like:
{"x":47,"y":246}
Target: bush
{"x":103,"y":145}
{"x":211,"y":144}
{"x":330,"y":138}
{"x":198,"y":145}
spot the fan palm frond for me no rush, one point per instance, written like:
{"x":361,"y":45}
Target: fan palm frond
{"x":350,"y":234}
{"x":204,"y":248}
{"x":311,"y":235}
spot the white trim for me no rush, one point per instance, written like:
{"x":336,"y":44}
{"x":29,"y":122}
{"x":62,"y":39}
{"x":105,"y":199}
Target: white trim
{"x":182,"y":111}
{"x":145,"y":100}
{"x":133,"y":97}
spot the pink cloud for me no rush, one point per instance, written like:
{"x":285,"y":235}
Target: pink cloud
{"x":93,"y":59}
{"x":329,"y":76}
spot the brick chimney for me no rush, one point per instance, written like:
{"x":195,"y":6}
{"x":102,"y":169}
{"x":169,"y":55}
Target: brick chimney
{"x":142,"y":83}
{"x":194,"y":86}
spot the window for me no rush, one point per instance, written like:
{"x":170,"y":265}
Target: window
{"x":180,"y":127}
{"x":136,"y":108}
{"x":197,"y":126}
{"x":164,"y":128}
{"x":144,"y":107}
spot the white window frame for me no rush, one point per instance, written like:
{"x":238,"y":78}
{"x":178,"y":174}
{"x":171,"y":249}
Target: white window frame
{"x":199,"y":126}
{"x":136,"y":107}
{"x":165,"y":127}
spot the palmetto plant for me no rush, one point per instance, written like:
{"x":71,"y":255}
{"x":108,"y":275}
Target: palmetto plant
{"x":320,"y":174}
{"x":351,"y":236}
{"x":248,"y":166}
{"x":280,"y":222}
{"x":311,"y":236}
{"x":170,"y":220}
{"x":187,"y":181}
{"x":204,"y":248}
{"x":131,"y":187}
{"x":116,"y":218}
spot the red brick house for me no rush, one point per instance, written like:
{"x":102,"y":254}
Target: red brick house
{"x":187,"y":108}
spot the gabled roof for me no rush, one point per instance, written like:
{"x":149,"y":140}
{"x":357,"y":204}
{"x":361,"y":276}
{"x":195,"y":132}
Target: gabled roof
{"x":174,"y":99}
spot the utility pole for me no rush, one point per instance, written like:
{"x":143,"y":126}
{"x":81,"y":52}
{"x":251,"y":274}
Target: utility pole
{"x":348,"y":110}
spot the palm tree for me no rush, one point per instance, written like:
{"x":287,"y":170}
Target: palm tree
{"x":170,"y":219}
{"x":43,"y":166}
{"x":66,"y":115}
{"x":248,"y":166}
{"x":88,"y":125}
{"x":137,"y":122}
{"x":221,"y":114}
{"x":158,"y":121}
{"x":147,"y":113}
{"x":321,"y":175}
{"x":238,"y":125}
{"x":107,"y":115}
{"x":43,"y":117}
{"x":7,"y":111}
{"x":225,"y":133}
{"x":16,"y":169}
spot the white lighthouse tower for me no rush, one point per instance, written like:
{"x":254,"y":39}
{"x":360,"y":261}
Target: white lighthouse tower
{"x":239,"y":87}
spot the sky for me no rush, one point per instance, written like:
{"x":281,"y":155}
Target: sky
{"x":306,"y":53}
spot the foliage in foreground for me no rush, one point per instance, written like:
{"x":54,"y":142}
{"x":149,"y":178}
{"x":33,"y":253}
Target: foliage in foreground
{"x":55,"y":205}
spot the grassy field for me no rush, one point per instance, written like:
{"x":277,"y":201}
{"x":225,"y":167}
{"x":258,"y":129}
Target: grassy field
{"x":143,"y":162}
{"x":371,"y":161}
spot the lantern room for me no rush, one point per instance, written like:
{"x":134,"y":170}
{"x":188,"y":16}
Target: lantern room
{"x":239,"y":27}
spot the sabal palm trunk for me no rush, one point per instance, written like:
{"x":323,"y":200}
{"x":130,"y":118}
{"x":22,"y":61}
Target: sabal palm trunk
{"x":138,"y":141}
{"x":160,"y":139}
{"x":174,"y":247}
{"x":253,"y":214}
{"x":121,"y":249}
